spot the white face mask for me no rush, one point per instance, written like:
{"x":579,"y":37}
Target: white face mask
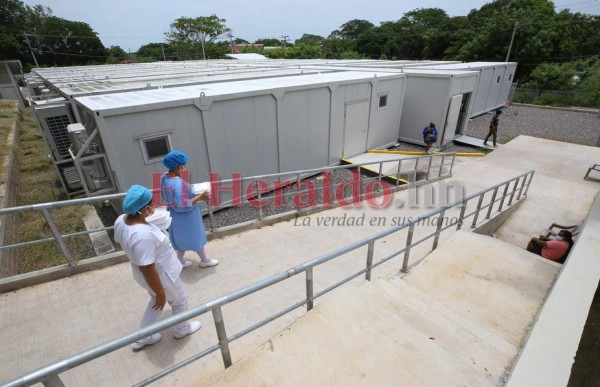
{"x":556,"y":238}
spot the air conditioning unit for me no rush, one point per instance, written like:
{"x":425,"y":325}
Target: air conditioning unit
{"x":94,"y":173}
{"x":77,"y":136}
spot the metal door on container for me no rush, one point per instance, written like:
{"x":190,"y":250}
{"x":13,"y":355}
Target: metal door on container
{"x":356,"y":127}
{"x":452,"y":119}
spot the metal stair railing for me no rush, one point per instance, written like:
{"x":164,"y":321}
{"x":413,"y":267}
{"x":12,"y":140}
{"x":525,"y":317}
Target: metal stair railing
{"x":511,"y":191}
{"x":422,"y":164}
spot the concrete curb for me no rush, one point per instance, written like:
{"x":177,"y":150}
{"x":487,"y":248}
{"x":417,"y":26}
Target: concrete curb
{"x":9,"y":223}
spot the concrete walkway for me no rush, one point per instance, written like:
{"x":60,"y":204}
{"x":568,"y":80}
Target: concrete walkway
{"x":48,"y":322}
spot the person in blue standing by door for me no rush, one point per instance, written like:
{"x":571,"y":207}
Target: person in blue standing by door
{"x":187,"y":226}
{"x":493,"y":128}
{"x":430,"y":136}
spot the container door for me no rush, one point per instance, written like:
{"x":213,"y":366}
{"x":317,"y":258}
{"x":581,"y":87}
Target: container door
{"x":356,"y":126}
{"x":452,"y":119}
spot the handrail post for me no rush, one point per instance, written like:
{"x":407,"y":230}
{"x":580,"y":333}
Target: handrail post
{"x":438,"y":229}
{"x":452,"y":164}
{"x":429,"y":167}
{"x":479,"y":202}
{"x":522,"y":186}
{"x":492,"y":201}
{"x":297,"y":188}
{"x":370,"y":249}
{"x":462,"y":215}
{"x":380,"y":171}
{"x":415,"y":171}
{"x":259,"y":197}
{"x":512,"y":195}
{"x":222,"y":336}
{"x":529,"y":183}
{"x":58,"y":237}
{"x":309,"y":289}
{"x":441,"y":166}
{"x":53,"y":381}
{"x":503,"y":196}
{"x":411,"y":230}
{"x":398,"y":174}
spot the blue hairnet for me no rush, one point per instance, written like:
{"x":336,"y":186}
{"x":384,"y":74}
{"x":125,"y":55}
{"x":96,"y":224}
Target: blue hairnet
{"x":174,"y":159}
{"x":136,"y":198}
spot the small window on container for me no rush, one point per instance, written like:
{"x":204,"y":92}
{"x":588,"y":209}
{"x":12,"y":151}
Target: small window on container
{"x":509,"y":77}
{"x":498,"y":79}
{"x":383,"y":101}
{"x":155,"y":148}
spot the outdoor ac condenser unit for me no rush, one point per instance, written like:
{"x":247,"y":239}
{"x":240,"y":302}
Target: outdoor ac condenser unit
{"x":77,"y":136}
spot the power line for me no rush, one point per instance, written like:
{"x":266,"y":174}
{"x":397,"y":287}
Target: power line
{"x":568,"y":5}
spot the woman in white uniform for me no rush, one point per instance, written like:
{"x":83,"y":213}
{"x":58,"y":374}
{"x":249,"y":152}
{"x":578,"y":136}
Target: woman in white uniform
{"x":154,"y":263}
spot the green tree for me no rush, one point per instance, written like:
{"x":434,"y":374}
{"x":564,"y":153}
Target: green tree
{"x":156,"y":52}
{"x":116,"y":55}
{"x":310,"y":40}
{"x":352,"y":29}
{"x":61,"y":42}
{"x":269,"y":42}
{"x":191,"y":35}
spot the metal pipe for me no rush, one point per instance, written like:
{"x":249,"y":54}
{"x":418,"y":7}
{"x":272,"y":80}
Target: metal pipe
{"x":438,"y":229}
{"x":309,"y":289}
{"x":61,"y":243}
{"x":441,"y":166}
{"x":411,"y":230}
{"x":398,"y":173}
{"x":477,"y":210}
{"x":462,"y":215}
{"x":503,"y":196}
{"x":489,"y":212}
{"x":370,"y":250}
{"x":222,"y":335}
{"x":512,"y":195}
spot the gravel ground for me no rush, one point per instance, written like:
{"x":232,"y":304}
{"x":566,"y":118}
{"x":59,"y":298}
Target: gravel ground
{"x":554,"y":124}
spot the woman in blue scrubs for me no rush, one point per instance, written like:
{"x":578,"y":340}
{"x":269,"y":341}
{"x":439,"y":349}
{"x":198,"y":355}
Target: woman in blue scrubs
{"x":187,"y":226}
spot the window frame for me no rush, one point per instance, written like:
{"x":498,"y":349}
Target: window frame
{"x":386,"y":95}
{"x":143,"y":140}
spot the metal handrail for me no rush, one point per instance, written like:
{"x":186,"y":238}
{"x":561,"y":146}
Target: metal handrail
{"x":51,"y":372}
{"x":60,"y":238}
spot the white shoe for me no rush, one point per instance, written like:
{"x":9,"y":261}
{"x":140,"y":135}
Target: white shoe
{"x":187,"y":263}
{"x":209,"y":263}
{"x":155,"y":338}
{"x":192,"y":328}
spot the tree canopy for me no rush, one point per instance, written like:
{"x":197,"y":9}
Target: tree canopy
{"x":193,"y":35}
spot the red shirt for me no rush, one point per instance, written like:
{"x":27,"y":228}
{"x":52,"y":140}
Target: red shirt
{"x":555,"y":250}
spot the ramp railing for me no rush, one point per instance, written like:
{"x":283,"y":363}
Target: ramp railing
{"x":471,"y":208}
{"x":267,"y":197}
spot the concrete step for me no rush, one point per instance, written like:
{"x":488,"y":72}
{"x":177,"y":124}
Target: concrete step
{"x":484,"y":350}
{"x":351,"y":338}
{"x":491,"y":282}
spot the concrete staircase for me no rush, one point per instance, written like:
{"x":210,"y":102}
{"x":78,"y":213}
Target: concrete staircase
{"x":459,"y":318}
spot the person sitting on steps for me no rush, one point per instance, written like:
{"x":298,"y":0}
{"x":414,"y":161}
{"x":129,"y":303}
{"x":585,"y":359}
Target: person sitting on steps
{"x":554,"y":248}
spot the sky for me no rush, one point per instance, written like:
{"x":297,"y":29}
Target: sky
{"x":133,"y":23}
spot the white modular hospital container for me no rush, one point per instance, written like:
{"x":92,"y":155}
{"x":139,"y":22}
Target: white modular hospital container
{"x":252,"y":127}
{"x":440,"y":96}
{"x":493,"y":88}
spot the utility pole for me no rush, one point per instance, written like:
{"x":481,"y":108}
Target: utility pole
{"x":511,"y":40}
{"x":284,"y":38}
{"x":30,"y":50}
{"x":162,"y":46}
{"x":230,"y":36}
